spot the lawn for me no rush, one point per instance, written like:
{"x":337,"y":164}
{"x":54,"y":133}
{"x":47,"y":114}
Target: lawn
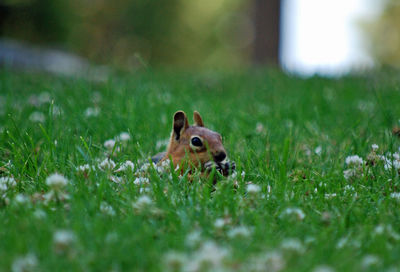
{"x":318,"y":187}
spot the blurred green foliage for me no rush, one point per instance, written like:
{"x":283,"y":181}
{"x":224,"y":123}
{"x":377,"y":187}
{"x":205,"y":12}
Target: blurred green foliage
{"x":38,"y":21}
{"x":133,"y":33}
{"x":384,"y":35}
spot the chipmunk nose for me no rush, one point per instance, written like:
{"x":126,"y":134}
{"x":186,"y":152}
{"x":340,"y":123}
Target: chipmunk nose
{"x":220,"y":156}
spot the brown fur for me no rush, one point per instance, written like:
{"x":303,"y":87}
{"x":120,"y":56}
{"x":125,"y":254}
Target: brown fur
{"x":180,"y":149}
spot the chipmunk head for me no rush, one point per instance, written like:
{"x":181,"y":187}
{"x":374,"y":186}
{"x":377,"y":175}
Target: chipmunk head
{"x":197,"y":143}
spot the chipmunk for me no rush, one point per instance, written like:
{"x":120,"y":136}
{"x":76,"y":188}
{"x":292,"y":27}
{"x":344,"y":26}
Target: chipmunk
{"x":196,"y":145}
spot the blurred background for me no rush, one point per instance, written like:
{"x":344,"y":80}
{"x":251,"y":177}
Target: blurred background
{"x":328,"y":37}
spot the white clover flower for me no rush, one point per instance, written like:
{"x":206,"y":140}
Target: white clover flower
{"x":32,"y":100}
{"x":193,"y":238}
{"x":63,"y":240}
{"x":379,"y":229}
{"x":85,"y":168}
{"x":269,"y":188}
{"x":293,"y":244}
{"x":92,"y":112}
{"x":260,"y":128}
{"x":142,"y":203}
{"x":145,"y":167}
{"x":253,"y":188}
{"x":374,"y":147}
{"x":115,"y":179}
{"x":141,"y":181}
{"x":57,"y":110}
{"x":39,"y":214}
{"x":163,"y":166}
{"x":128,"y":165}
{"x":392,"y":233}
{"x":144,"y":190}
{"x":56,"y":181}
{"x":174,"y":261}
{"x":365,"y":106}
{"x":388,"y":230}
{"x":348,"y":188}
{"x":234,"y":174}
{"x":57,"y":195}
{"x":342,"y":242}
{"x":37,"y":117}
{"x":209,"y":257}
{"x":240,"y":231}
{"x":330,"y":196}
{"x":124,"y":137}
{"x":307,"y":151}
{"x":345,"y":241}
{"x":107,"y":209}
{"x":26,"y":263}
{"x":354,"y":160}
{"x":21,"y":199}
{"x":318,"y":150}
{"x":44,"y":97}
{"x":107,"y":164}
{"x":369,"y":260}
{"x":294,"y":212}
{"x":389,"y":164}
{"x":109,"y":144}
{"x":219,"y":223}
{"x":6,"y":183}
{"x":166,"y":163}
{"x":270,"y":261}
{"x":350,"y":173}
{"x":309,"y":240}
{"x":323,"y":268}
{"x":160,"y":169}
{"x":395,"y":195}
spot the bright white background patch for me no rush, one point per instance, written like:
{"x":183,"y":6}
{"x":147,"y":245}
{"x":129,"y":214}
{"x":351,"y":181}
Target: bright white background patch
{"x":323,"y":36}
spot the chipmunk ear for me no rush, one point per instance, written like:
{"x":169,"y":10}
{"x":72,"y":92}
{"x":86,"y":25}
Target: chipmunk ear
{"x":180,"y":124}
{"x":197,"y":119}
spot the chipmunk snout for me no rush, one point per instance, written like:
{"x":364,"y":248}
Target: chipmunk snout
{"x":220,"y":156}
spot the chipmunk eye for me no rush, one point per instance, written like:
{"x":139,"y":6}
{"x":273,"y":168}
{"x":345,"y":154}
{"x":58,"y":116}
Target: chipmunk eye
{"x":196,"y":141}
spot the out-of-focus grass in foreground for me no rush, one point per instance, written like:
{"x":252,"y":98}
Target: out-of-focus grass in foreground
{"x":304,"y":200}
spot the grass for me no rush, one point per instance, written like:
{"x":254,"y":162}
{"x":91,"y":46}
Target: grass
{"x":287,"y":135}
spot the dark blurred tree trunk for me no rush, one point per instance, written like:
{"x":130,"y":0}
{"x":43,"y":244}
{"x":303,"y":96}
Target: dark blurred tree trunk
{"x":3,"y":15}
{"x":267,"y":15}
